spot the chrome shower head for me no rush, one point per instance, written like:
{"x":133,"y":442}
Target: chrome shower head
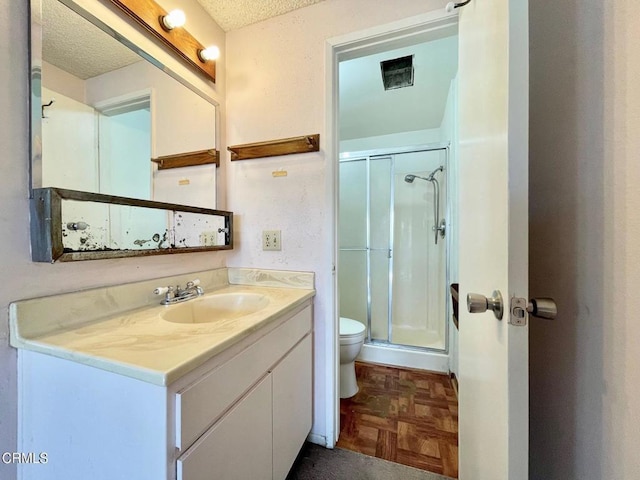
{"x":411,"y":177}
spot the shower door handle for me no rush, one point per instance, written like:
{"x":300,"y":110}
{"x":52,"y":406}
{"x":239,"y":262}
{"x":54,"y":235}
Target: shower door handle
{"x":477,"y":303}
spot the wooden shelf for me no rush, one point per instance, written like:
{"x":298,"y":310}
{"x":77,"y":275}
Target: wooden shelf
{"x":189,"y":159}
{"x":285,"y":146}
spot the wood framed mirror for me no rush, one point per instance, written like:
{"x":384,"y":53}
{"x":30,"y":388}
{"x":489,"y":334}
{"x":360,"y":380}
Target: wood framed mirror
{"x":107,"y":100}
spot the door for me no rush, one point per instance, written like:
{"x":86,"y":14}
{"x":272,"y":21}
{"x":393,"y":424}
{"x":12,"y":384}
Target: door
{"x":493,"y":149}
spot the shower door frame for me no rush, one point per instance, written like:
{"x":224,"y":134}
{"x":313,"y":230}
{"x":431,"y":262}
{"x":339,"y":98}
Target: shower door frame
{"x":366,"y":156}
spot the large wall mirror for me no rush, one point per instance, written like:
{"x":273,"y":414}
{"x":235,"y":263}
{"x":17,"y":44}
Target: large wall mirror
{"x":102,"y":110}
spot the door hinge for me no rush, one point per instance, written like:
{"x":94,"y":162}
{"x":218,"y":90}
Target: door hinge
{"x":518,"y":311}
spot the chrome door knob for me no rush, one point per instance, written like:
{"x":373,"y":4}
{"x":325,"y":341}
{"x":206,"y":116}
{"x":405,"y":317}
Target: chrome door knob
{"x":477,"y":303}
{"x":543,"y":308}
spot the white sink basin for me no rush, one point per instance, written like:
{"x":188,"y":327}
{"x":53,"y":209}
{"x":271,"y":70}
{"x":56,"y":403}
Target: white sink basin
{"x":225,"y":306}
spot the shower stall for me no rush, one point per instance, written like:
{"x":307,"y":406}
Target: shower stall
{"x":393,"y":254}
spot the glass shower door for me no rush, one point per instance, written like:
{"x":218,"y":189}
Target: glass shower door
{"x":364,"y":245}
{"x":353,"y":272}
{"x":392,"y":274}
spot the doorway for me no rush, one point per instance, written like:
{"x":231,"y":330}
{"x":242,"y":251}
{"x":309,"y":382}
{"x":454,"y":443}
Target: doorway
{"x":404,"y":306}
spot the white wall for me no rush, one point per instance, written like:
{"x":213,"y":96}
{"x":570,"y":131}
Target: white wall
{"x":181,"y":122}
{"x":60,"y":81}
{"x":367,"y":109}
{"x":393,"y":140}
{"x":276,"y":89}
{"x":585,"y":239}
{"x":20,"y":277}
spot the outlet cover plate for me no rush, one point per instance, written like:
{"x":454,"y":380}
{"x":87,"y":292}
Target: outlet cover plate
{"x":271,"y":240}
{"x":208,"y":239}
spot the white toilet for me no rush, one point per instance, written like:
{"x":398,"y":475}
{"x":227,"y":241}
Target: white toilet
{"x":351,"y":341}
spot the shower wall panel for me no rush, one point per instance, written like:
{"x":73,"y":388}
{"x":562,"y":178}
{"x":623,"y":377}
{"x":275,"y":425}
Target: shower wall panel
{"x":419,"y":264}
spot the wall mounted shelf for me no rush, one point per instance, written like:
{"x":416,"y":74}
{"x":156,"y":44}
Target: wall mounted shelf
{"x":201,"y":157}
{"x":285,"y":146}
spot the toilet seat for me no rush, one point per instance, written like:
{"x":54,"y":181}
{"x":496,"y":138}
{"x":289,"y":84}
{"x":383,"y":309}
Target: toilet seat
{"x":351,"y":331}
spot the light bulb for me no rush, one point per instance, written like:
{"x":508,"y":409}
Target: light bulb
{"x":209,"y":53}
{"x":174,"y":19}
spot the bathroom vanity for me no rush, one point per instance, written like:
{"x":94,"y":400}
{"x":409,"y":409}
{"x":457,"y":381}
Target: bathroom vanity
{"x":141,"y":394}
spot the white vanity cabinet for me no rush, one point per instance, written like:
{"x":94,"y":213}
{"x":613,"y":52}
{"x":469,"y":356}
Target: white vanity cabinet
{"x":243,"y":414}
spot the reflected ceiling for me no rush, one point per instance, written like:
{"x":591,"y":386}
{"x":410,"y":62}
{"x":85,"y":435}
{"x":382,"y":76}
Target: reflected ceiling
{"x":74,"y":45}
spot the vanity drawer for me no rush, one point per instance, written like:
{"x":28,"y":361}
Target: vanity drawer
{"x":199,"y":405}
{"x":237,"y":446}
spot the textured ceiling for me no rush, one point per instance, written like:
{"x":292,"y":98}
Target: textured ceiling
{"x":73,"y":44}
{"x":76,"y":46}
{"x":233,"y":14}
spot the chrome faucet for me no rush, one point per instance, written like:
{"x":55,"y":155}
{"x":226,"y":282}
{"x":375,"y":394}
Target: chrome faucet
{"x":176,"y":295}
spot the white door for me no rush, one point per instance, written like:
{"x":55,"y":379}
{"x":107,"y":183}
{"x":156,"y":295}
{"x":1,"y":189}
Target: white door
{"x":493,"y":132}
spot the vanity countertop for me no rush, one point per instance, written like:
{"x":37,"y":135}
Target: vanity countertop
{"x":141,"y":344}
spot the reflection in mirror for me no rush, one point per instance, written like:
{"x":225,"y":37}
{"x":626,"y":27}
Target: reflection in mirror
{"x":124,"y":227}
{"x":106,"y":112}
{"x":100,"y":114}
{"x":69,"y":225}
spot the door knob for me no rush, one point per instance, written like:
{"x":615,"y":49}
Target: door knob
{"x":477,"y":303}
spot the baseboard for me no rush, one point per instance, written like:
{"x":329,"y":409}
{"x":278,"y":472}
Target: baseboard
{"x":317,"y":439}
{"x":454,"y":382}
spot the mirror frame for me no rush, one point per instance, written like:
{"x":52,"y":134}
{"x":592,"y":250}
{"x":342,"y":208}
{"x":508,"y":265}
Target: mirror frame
{"x":47,"y":225}
{"x":46,"y":203}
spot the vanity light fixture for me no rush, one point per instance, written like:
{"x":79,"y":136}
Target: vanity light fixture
{"x":153,"y":18}
{"x":210,"y":53}
{"x":174,"y":19}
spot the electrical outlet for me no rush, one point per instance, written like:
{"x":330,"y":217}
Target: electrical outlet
{"x":208,"y":239}
{"x":271,"y":240}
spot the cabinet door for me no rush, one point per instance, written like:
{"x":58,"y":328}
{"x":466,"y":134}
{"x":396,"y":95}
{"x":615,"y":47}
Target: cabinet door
{"x":292,"y":406}
{"x":238,"y":447}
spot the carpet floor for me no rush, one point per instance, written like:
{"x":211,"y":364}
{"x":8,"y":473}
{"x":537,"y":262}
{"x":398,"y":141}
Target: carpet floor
{"x":318,"y":463}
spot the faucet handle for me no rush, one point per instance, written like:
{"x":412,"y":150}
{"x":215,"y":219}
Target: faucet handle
{"x":163,"y":290}
{"x":193,"y":283}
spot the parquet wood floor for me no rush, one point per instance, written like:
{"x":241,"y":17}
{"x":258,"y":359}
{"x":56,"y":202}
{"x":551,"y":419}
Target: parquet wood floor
{"x":403,"y":415}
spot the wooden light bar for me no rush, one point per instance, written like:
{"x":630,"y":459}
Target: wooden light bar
{"x":148,"y":14}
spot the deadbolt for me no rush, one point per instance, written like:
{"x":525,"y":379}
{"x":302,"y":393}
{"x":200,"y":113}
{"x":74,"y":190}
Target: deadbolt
{"x":477,"y":303}
{"x":543,"y":308}
{"x":537,"y":307}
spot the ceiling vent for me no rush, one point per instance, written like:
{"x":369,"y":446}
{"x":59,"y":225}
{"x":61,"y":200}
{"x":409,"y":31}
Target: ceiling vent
{"x":397,"y":73}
